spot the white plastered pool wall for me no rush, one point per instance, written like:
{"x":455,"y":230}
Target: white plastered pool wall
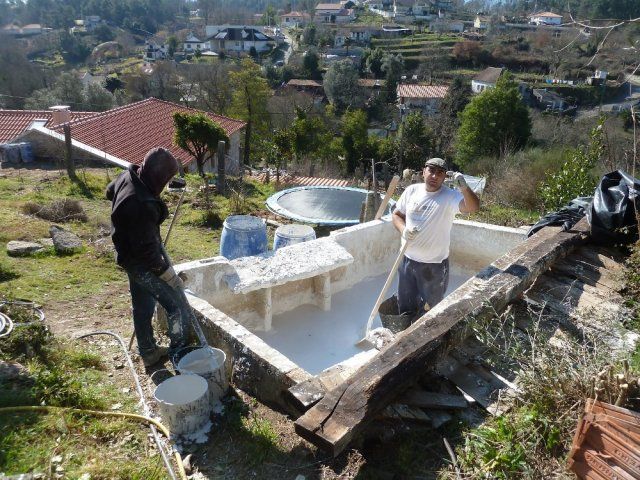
{"x":284,"y":300}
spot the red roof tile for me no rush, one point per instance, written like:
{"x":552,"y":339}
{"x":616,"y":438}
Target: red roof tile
{"x":408,"y":90}
{"x":14,"y":122}
{"x":130,"y":131}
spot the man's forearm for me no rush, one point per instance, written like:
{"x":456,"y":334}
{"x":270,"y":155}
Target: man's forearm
{"x":471,"y":200}
{"x":399,"y":222}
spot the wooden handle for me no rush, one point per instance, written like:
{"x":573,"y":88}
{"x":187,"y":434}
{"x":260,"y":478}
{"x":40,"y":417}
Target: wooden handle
{"x":392,"y":188}
{"x":387,"y":284}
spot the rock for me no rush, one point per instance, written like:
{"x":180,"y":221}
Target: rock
{"x":46,"y":242}
{"x":13,"y":372}
{"x":65,"y":241}
{"x":18,"y":248}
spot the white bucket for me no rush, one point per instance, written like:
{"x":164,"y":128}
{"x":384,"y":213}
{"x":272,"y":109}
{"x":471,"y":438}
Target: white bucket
{"x":209,"y":363}
{"x":184,"y":405}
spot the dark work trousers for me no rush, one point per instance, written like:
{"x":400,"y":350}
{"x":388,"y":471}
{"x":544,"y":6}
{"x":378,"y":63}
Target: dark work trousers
{"x":420,"y":284}
{"x":146,"y":289}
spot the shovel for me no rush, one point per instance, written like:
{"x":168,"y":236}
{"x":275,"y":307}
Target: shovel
{"x":367,"y":341}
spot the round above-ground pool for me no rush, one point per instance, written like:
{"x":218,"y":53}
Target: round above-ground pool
{"x":328,"y":206}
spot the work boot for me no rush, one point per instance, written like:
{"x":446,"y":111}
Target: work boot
{"x":153,"y":357}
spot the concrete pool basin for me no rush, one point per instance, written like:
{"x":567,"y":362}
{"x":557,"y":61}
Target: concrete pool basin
{"x":285,"y":316}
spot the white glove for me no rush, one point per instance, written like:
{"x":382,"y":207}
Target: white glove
{"x":174,"y":281}
{"x":409,"y":235}
{"x":458,"y":180}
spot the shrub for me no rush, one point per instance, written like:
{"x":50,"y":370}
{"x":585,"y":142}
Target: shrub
{"x":60,"y":211}
{"x":575,"y":178}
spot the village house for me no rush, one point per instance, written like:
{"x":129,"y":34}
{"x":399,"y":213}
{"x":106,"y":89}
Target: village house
{"x":357,"y":34}
{"x":240,"y":39}
{"x":193,"y":43}
{"x":26,"y":30}
{"x":295,"y":19}
{"x":548,"y":100}
{"x":441,"y":24}
{"x":120,"y":136}
{"x":486,"y":79}
{"x":154,"y":51}
{"x":418,"y":97}
{"x":545,"y":18}
{"x":333,"y":13}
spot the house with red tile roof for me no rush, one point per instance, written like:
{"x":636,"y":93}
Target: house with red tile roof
{"x":425,"y":98}
{"x":121,"y":136}
{"x":14,"y":122}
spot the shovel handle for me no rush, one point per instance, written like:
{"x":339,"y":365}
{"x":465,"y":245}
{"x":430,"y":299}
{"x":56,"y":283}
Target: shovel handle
{"x":385,"y":201}
{"x":387,"y":284}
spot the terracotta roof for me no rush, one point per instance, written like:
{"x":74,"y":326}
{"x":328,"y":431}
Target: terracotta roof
{"x":546,"y":14}
{"x":371,"y":82}
{"x":408,"y":90}
{"x":305,"y":181}
{"x":489,"y":75}
{"x":329,"y":6}
{"x":14,"y":122}
{"x":296,"y":14}
{"x":301,"y":82}
{"x":130,"y":131}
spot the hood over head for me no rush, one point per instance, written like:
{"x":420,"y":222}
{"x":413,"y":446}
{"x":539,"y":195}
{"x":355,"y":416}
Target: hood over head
{"x":158,"y":167}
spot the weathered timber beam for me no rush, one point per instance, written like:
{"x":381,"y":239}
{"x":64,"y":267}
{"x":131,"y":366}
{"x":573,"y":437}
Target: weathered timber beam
{"x":345,"y":411}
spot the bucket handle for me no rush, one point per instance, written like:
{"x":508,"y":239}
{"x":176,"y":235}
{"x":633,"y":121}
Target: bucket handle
{"x":173,"y":374}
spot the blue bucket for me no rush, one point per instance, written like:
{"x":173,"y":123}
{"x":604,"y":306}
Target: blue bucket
{"x":243,"y":236}
{"x":292,"y":234}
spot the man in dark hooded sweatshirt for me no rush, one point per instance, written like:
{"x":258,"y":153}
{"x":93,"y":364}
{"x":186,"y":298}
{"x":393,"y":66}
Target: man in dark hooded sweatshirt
{"x":136,"y":214}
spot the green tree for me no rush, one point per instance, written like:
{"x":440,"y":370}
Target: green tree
{"x":97,"y":98}
{"x":576,"y":177}
{"x":309,"y":34}
{"x":416,"y":141}
{"x":354,"y":138}
{"x":198,"y":135}
{"x":172,"y":45}
{"x":373,"y":59}
{"x":392,"y":66}
{"x":447,"y":121}
{"x":249,"y":100}
{"x":341,"y":86}
{"x":493,"y":122}
{"x":308,"y":133}
{"x":284,"y":141}
{"x":311,"y":62}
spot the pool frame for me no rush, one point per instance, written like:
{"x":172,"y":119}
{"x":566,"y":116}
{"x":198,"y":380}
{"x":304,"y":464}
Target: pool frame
{"x":268,"y":374}
{"x":272,"y":205}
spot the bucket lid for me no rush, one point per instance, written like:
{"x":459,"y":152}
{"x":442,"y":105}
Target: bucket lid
{"x":243,"y":222}
{"x":294,"y":230}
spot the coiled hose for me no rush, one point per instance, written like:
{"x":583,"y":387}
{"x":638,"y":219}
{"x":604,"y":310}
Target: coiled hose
{"x":133,"y":416}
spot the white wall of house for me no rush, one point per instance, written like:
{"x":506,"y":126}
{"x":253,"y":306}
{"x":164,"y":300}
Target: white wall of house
{"x":428,"y":106}
{"x":232,"y":163}
{"x":544,"y":20}
{"x":478,"y":86}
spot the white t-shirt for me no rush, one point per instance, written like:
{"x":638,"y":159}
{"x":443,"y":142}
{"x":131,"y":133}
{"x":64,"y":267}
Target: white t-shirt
{"x":432,"y":213}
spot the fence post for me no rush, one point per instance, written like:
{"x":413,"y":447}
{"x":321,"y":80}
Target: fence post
{"x":220,"y":178}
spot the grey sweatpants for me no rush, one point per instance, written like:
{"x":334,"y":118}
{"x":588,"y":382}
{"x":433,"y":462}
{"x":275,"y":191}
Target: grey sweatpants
{"x":420,"y":284}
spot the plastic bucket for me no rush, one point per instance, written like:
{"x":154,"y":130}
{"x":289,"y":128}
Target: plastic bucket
{"x":292,"y":234}
{"x":209,"y":363}
{"x":391,"y":318}
{"x":183,"y":401}
{"x":26,"y":152}
{"x":243,"y":236}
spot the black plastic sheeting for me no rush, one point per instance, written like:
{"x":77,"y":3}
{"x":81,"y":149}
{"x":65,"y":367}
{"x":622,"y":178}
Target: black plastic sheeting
{"x":612,"y":214}
{"x":611,"y":211}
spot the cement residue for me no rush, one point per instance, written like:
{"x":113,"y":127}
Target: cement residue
{"x":243,"y":223}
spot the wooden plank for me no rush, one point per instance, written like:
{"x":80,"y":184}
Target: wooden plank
{"x":398,"y":411}
{"x":345,"y":411}
{"x":593,"y":257}
{"x":483,"y":387}
{"x":588,"y":274}
{"x":580,"y":291}
{"x":423,"y":399}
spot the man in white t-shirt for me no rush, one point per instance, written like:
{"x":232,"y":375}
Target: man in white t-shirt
{"x":424,"y":216}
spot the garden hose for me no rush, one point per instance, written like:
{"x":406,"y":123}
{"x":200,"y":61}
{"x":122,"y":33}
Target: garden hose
{"x":133,"y":416}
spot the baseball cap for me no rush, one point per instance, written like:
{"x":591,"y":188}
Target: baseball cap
{"x":436,"y":162}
